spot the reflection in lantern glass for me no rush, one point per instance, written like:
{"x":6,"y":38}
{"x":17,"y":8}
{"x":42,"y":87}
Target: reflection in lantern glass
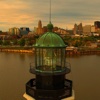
{"x":49,"y":58}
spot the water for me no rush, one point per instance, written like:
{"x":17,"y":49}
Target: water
{"x":14,"y":73}
{"x":86,"y":72}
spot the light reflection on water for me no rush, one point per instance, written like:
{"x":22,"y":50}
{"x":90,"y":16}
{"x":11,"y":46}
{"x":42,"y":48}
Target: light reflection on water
{"x":14,"y":73}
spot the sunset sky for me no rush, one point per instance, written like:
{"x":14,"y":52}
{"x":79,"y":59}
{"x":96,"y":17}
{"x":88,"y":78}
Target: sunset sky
{"x":65,"y":13}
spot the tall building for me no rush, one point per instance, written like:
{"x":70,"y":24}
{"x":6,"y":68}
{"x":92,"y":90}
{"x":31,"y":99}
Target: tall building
{"x":97,"y":24}
{"x":14,"y":31}
{"x":39,"y":29}
{"x":78,"y":29}
{"x":75,"y":30}
{"x":24,"y":30}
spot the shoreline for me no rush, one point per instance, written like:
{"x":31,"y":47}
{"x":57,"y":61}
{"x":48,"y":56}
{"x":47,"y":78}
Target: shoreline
{"x":68,"y":53}
{"x":85,"y":52}
{"x":19,"y":50}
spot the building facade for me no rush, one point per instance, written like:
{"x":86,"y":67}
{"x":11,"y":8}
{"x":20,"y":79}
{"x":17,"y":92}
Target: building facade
{"x":24,"y":30}
{"x":39,"y":28}
{"x":78,"y":29}
{"x":87,"y":29}
{"x":14,"y":31}
{"x":93,"y":29}
{"x":97,"y":26}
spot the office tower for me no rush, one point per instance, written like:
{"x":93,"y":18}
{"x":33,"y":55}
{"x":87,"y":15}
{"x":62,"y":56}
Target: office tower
{"x":39,"y":29}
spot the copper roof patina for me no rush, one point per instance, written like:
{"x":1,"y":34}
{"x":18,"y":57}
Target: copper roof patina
{"x":50,"y":39}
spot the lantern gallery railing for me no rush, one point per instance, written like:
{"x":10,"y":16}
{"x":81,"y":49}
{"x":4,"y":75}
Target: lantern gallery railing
{"x":41,"y":94}
{"x":50,"y":69}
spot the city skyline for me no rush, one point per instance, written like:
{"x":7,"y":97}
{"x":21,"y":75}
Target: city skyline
{"x":65,"y":13}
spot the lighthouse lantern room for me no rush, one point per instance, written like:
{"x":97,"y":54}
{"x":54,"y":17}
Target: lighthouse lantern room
{"x":49,"y":68}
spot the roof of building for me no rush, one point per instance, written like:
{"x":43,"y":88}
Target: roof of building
{"x":4,"y":33}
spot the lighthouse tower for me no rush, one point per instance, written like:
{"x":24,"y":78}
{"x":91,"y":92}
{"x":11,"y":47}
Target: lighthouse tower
{"x":50,"y":68}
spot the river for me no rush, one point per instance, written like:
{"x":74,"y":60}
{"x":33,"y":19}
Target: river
{"x":14,"y":73}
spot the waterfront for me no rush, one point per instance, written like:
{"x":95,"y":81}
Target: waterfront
{"x":14,"y":73}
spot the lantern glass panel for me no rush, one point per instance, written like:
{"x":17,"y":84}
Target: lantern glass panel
{"x":50,"y":59}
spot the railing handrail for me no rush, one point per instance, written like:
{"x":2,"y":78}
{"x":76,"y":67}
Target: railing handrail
{"x":67,"y":65}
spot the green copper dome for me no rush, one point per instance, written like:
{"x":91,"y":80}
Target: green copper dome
{"x":50,"y":39}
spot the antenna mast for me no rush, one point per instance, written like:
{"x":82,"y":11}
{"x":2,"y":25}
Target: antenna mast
{"x":50,"y":12}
